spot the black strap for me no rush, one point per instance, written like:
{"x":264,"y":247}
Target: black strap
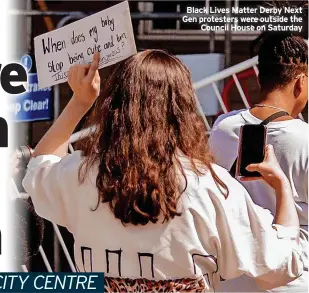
{"x":271,"y":118}
{"x":274,"y":116}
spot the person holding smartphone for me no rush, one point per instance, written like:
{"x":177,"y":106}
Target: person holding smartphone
{"x":283,"y":78}
{"x":144,"y":200}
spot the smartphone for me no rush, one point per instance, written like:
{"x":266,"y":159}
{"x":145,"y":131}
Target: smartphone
{"x":251,"y":149}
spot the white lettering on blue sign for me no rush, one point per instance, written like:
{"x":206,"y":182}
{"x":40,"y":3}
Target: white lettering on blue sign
{"x":34,"y":105}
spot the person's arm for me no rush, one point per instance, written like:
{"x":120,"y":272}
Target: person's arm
{"x":51,"y":176}
{"x":286,"y":214}
{"x":85,"y":83}
{"x":55,"y":141}
{"x":246,"y":241}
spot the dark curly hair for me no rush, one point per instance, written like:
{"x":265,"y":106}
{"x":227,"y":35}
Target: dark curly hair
{"x":145,"y":117}
{"x":282,"y":57}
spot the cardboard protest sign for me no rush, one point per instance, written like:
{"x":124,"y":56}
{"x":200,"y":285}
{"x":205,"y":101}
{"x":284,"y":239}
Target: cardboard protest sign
{"x":109,"y":32}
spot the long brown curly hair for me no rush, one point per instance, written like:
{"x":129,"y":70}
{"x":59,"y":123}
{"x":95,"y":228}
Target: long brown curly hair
{"x":145,"y":117}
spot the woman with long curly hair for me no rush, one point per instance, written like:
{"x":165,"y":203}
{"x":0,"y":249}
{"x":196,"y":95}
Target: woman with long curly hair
{"x":143,"y":198}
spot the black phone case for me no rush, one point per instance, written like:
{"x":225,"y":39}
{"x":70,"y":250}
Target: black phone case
{"x":238,"y":165}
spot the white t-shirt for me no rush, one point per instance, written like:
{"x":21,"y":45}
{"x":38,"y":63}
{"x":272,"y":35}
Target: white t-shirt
{"x":214,"y":237}
{"x":290,"y":141}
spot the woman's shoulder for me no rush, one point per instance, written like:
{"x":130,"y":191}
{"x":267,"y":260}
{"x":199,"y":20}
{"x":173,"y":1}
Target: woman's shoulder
{"x":209,"y":182}
{"x":64,"y":167}
{"x":72,"y":161}
{"x":204,"y":196}
{"x":205,"y":173}
{"x":221,"y":174}
{"x":72,"y":167}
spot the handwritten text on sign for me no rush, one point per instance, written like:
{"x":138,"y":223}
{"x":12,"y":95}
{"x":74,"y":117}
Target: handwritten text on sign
{"x":109,"y":32}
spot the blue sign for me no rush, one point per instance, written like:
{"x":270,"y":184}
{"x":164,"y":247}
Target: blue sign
{"x":33,"y":105}
{"x":26,"y":61}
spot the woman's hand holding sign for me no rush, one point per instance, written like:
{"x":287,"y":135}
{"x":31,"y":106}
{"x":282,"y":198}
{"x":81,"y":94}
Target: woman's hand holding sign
{"x":84,"y":81}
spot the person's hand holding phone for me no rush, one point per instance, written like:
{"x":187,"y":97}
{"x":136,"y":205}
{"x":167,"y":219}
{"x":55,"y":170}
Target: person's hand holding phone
{"x":286,"y":214}
{"x":269,"y":169}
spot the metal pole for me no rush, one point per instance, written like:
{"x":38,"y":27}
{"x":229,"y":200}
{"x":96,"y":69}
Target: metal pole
{"x":225,"y":73}
{"x":207,"y":4}
{"x":57,"y":259}
{"x":28,"y":25}
{"x":28,"y":42}
{"x":228,"y":36}
{"x":212,"y":39}
{"x":211,"y":33}
{"x":56,"y":101}
{"x":21,"y":36}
